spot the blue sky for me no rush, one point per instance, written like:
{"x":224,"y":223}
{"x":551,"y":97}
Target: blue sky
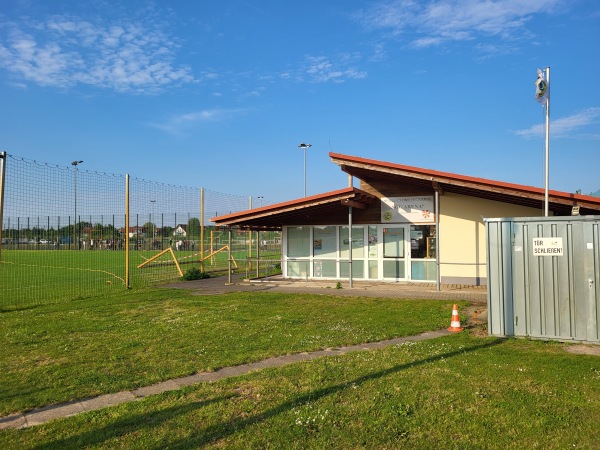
{"x":218,"y":94}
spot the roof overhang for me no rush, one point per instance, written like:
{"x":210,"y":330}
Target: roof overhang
{"x":560,"y":203}
{"x":327,"y":208}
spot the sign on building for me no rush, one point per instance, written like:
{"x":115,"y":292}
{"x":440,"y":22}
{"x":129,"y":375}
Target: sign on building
{"x":416,"y":209}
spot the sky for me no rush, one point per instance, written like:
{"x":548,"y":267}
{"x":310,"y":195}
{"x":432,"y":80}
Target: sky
{"x":219,"y":93}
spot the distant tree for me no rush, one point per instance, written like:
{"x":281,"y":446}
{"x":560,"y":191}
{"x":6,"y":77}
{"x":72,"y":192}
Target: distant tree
{"x":110,"y":230}
{"x":193,"y":228}
{"x":150,"y":229}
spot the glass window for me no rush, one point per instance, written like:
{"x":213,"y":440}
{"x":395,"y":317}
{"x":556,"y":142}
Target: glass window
{"x":298,"y":242}
{"x":325,"y":269}
{"x":422,"y":241}
{"x":324,"y":241}
{"x":297,"y":269}
{"x":393,"y":242}
{"x":393,"y":269}
{"x":373,"y":269}
{"x":358,"y":269}
{"x":423,"y":270}
{"x":372,"y":241}
{"x":358,"y":236}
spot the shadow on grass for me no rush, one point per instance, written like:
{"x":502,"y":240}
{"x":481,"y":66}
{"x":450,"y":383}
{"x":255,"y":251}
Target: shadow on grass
{"x":214,"y":433}
{"x":138,"y":422}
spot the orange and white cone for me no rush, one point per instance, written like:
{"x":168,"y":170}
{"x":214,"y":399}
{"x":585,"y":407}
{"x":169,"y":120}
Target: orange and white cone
{"x":455,"y":323}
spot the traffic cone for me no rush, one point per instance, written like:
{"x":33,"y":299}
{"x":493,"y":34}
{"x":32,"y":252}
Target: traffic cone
{"x":455,"y":324}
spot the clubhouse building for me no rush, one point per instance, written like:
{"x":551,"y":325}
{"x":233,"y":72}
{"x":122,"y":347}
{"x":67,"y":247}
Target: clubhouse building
{"x":400,"y":224}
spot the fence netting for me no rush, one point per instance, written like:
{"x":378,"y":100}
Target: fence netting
{"x":64,"y":232}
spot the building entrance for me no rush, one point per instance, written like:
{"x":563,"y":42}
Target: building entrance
{"x":394,"y":252}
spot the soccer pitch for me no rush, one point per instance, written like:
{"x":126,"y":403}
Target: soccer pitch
{"x":33,"y":277}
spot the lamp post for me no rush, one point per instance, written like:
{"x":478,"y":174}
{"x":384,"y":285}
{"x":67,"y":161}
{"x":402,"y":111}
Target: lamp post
{"x":304,"y":146}
{"x":260,"y":199}
{"x":75,"y":164}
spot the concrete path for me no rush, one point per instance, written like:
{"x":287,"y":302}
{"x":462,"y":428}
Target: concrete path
{"x":476,"y":314}
{"x":401,"y":290}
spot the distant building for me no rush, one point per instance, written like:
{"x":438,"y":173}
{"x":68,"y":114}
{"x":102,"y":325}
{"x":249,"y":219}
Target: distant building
{"x":133,"y":231}
{"x":180,"y":231}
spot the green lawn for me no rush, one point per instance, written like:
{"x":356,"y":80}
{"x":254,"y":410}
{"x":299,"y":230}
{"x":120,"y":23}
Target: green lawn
{"x":462,"y":391}
{"x":60,"y":352}
{"x":456,"y":392}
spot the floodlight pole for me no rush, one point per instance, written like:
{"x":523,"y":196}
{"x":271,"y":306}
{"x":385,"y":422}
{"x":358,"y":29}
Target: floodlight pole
{"x":2,"y":178}
{"x":304,"y":146}
{"x":547,"y":159}
{"x":75,"y":164}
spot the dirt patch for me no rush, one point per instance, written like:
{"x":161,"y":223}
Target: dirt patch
{"x":480,"y":331}
{"x":584,"y":349}
{"x":476,"y":315}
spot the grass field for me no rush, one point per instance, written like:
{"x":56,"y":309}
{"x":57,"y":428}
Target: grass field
{"x":35,"y":277}
{"x":460,"y":391}
{"x":60,"y":352}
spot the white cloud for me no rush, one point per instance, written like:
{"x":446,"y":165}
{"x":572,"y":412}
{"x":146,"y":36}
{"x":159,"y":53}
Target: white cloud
{"x":178,"y":124}
{"x":564,"y":127}
{"x":379,"y":52}
{"x":66,"y":51}
{"x":321,"y":69}
{"x":395,"y":16}
{"x":427,"y":42}
{"x":432,"y":23}
{"x":489,"y":50}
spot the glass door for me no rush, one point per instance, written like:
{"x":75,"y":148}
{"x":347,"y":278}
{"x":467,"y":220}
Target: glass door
{"x":394,"y":253}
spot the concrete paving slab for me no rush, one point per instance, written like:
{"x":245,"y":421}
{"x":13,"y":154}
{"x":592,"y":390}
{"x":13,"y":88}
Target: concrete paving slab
{"x":48,"y":413}
{"x":195,"y":379}
{"x":102,"y":401}
{"x":158,"y":388}
{"x":219,"y":285}
{"x":13,"y":421}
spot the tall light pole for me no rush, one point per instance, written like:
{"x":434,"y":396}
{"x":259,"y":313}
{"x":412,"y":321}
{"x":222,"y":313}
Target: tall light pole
{"x":304,"y":146}
{"x":75,"y":164}
{"x":260,"y":199}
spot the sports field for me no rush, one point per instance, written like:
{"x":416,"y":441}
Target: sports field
{"x":34,"y":277}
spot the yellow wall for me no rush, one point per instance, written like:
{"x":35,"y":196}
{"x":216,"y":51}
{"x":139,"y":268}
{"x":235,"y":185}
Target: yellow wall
{"x":462,"y":244}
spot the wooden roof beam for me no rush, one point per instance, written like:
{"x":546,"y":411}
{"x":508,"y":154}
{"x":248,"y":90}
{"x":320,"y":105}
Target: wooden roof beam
{"x":354,"y":204}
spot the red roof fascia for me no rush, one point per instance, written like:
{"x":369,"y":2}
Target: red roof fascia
{"x":296,"y":202}
{"x":454,"y":176}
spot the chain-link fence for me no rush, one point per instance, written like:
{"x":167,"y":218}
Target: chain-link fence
{"x":70,"y":233}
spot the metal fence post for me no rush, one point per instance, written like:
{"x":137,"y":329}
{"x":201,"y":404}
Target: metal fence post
{"x":201,"y":243}
{"x":229,"y":259}
{"x":2,"y":178}
{"x":127,"y":278}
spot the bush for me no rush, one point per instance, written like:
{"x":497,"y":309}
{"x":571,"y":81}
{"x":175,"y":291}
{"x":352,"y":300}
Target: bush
{"x":195,"y":274}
